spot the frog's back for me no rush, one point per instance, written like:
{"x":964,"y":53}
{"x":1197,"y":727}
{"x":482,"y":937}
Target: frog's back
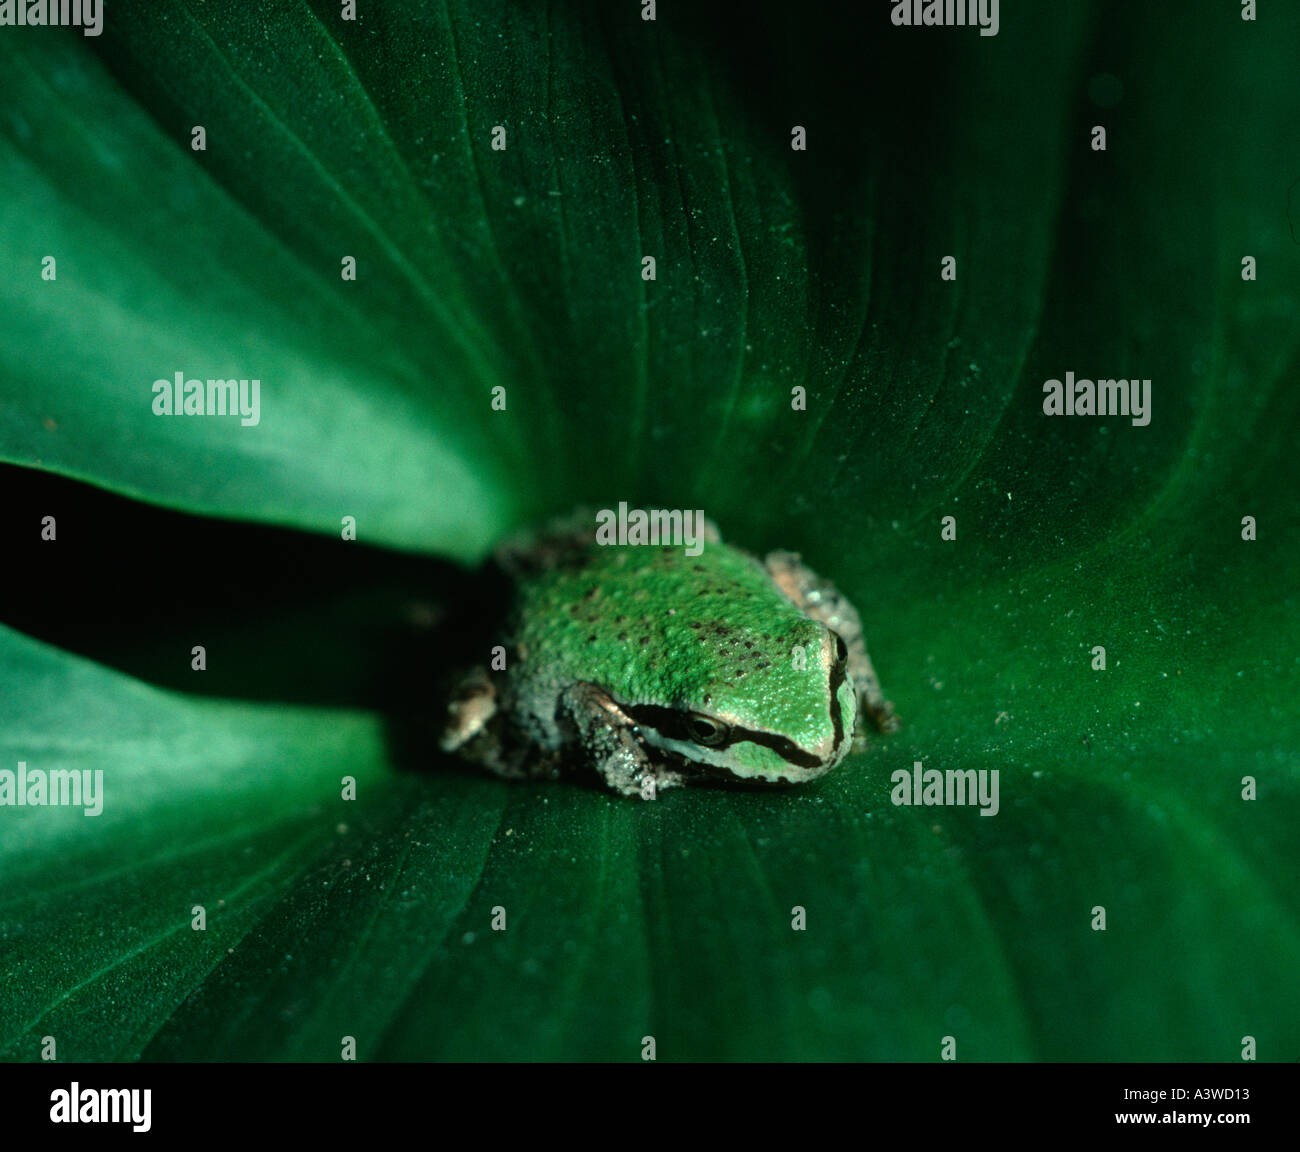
{"x":653,"y":623}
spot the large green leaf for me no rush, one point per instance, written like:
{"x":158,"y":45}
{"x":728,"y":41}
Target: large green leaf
{"x":776,"y":268}
{"x":206,"y":804}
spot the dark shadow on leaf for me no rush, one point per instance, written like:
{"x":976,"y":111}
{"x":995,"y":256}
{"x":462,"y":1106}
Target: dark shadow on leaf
{"x":283,"y":616}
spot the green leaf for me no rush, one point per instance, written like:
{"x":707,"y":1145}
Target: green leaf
{"x":203,"y":803}
{"x":1120,"y":789}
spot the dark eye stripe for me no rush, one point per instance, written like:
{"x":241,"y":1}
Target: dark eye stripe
{"x":671,"y":724}
{"x":667,"y":721}
{"x":839,"y":670}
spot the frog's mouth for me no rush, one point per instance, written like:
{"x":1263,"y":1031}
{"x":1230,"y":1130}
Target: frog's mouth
{"x":761,"y":757}
{"x":662,"y":734}
{"x":666,"y":727}
{"x":704,"y":771}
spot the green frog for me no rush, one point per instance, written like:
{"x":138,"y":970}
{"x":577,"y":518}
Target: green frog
{"x":651,"y":668}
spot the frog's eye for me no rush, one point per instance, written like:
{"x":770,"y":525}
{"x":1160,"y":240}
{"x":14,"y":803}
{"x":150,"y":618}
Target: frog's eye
{"x":841,"y":649}
{"x":705,"y":730}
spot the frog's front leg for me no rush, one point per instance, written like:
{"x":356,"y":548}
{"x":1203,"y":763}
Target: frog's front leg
{"x":821,"y":600}
{"x":592,"y":721}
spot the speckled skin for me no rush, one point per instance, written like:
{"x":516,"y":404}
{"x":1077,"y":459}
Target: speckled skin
{"x":644,"y":663}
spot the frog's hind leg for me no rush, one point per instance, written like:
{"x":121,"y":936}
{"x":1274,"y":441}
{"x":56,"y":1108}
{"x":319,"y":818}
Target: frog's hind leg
{"x":475,"y":724}
{"x":821,"y":600}
{"x":471,"y":703}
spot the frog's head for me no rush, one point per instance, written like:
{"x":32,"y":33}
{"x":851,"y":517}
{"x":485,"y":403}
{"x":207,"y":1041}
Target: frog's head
{"x":770,"y":707}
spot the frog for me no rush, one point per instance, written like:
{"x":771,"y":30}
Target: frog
{"x":642,"y":667}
